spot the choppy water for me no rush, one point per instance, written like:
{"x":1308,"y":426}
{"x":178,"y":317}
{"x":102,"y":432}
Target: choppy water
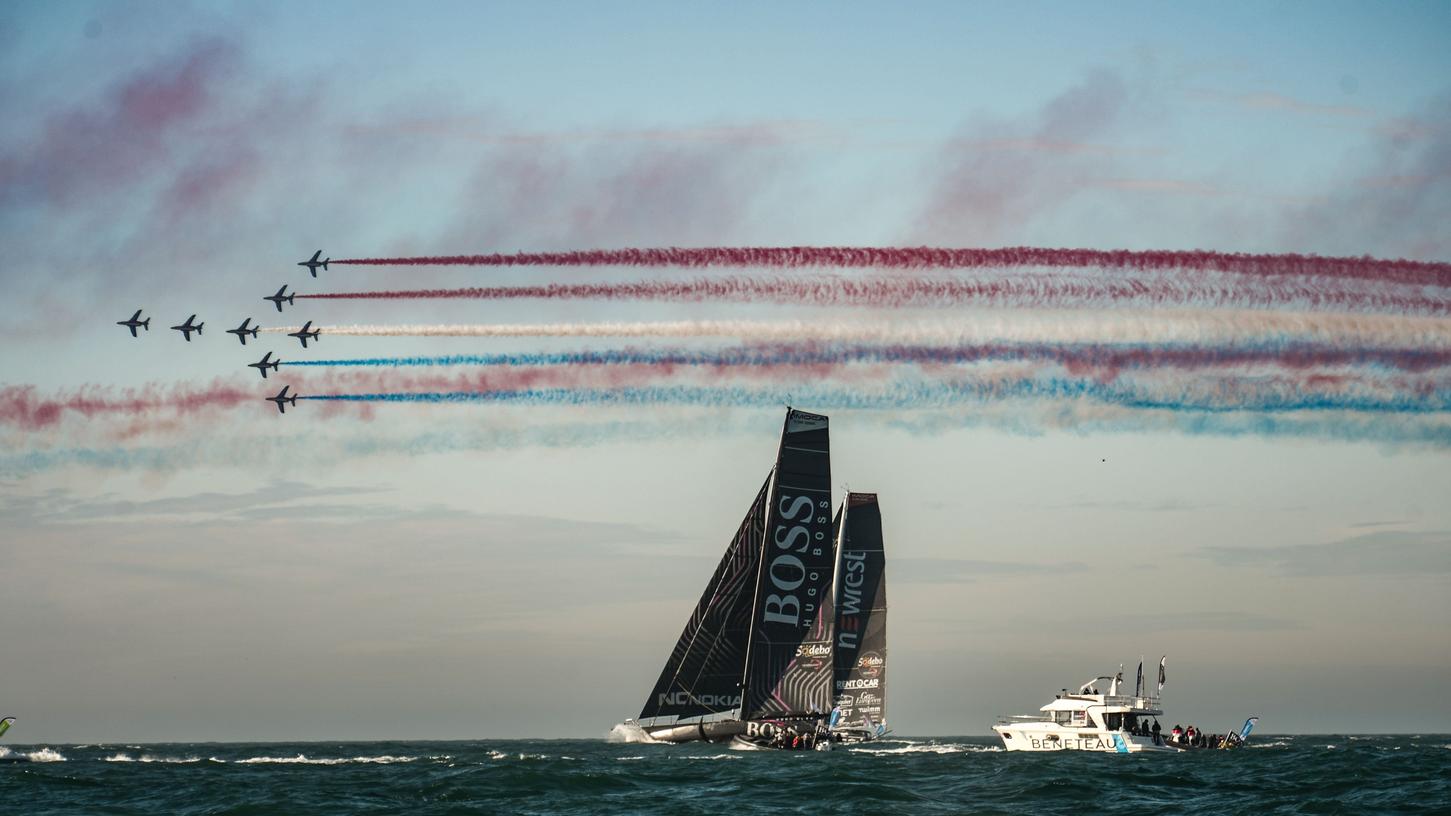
{"x":1303,"y":774}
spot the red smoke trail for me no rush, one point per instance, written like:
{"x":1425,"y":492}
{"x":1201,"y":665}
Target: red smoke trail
{"x":1433,"y":273}
{"x":1030,"y":291}
{"x":24,"y":406}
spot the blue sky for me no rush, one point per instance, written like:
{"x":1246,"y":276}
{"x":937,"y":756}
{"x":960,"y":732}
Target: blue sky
{"x":273,"y":579}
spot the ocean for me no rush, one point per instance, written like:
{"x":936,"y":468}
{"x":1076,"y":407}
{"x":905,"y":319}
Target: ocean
{"x":949,"y":775}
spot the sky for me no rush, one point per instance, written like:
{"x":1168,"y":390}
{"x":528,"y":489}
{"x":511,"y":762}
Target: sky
{"x":179,"y":562}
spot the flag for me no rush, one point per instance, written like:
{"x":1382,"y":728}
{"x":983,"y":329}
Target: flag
{"x":1161,"y":673}
{"x":1139,"y":682}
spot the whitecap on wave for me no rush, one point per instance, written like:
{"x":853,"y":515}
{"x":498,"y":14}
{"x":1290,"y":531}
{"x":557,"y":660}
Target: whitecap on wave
{"x":630,"y":733}
{"x":302,"y":759}
{"x":149,"y":758}
{"x":927,"y":748}
{"x":40,"y":755}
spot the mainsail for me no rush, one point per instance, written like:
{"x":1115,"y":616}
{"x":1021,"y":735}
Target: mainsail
{"x":703,"y":675}
{"x":861,"y":615}
{"x":788,"y":668}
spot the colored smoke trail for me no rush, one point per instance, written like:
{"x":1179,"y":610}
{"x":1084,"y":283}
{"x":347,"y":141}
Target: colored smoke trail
{"x":1104,"y":358}
{"x":1264,"y":396}
{"x":1433,"y":273}
{"x":282,"y":451}
{"x":1032,"y":291}
{"x":1076,"y":326}
{"x":26,"y":407}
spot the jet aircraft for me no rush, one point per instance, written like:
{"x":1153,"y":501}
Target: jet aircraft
{"x":313,"y":263}
{"x":265,"y":363}
{"x":282,"y":398}
{"x":279,"y":298}
{"x":304,"y":335}
{"x":242,"y":331}
{"x":187,"y":328}
{"x":134,"y":322}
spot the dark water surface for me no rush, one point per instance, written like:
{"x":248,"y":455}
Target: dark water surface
{"x":1302,"y":774}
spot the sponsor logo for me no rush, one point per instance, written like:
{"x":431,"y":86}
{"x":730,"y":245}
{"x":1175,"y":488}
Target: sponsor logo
{"x":866,"y":699}
{"x":1054,"y":743}
{"x":685,"y":698}
{"x":853,"y":574}
{"x":787,"y":572}
{"x":814,"y":650}
{"x":844,"y":701}
{"x":851,"y":685}
{"x":870,"y":659}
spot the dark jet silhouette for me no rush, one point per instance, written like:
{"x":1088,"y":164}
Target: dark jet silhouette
{"x":187,"y":328}
{"x":313,"y":263}
{"x":282,"y":399}
{"x":279,"y":298}
{"x":304,"y":335}
{"x":265,"y":363}
{"x":242,"y":331}
{"x":134,"y":322}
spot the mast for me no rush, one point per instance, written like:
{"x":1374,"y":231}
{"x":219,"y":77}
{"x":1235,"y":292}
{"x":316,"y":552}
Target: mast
{"x":756,"y":598}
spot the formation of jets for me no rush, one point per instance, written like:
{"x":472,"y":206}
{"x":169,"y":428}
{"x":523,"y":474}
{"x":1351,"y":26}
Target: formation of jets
{"x":187,"y":328}
{"x":242,"y":332}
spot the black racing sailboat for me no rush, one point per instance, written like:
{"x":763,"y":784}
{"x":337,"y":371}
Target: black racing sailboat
{"x":860,"y":653}
{"x":754,"y":663}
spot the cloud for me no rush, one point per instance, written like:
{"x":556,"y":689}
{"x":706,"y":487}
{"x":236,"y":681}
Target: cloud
{"x":1387,"y":552}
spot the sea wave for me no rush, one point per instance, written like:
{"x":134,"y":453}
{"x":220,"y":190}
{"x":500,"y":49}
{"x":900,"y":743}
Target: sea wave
{"x":39,"y":755}
{"x":150,"y":758}
{"x":928,"y":748}
{"x":302,"y":759}
{"x":630,"y":733}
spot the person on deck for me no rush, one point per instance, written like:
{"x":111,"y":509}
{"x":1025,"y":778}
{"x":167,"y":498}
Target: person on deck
{"x":1157,"y":740}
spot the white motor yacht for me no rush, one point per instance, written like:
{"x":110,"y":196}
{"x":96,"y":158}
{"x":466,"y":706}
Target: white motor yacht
{"x":1088,"y":720}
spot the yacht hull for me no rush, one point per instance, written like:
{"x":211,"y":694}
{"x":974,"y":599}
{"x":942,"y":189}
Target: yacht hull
{"x":1050,"y":737}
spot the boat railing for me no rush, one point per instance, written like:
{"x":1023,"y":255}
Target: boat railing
{"x":1019,"y":718}
{"x":1129,"y":701}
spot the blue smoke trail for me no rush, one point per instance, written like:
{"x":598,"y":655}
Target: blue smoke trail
{"x":929,"y":395}
{"x":1125,"y":355}
{"x":281,"y":452}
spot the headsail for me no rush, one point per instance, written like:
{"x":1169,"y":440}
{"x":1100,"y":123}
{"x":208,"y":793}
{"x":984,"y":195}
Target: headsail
{"x":861,"y":615}
{"x":788,"y":665}
{"x":703,"y":675}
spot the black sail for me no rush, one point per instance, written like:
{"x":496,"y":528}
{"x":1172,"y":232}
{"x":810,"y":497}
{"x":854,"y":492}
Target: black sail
{"x":861,"y":615}
{"x":789,"y":665}
{"x":703,"y":675}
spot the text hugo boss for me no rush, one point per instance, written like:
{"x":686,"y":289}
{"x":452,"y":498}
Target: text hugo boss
{"x":787,"y":571}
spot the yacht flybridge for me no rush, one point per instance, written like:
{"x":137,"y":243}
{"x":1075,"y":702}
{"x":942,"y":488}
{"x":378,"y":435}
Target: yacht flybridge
{"x":1087,"y":720}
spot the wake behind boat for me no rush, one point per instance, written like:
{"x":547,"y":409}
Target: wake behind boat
{"x":789,"y":637}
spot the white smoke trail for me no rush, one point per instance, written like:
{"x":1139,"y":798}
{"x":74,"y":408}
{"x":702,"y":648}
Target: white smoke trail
{"x":1362,"y":331}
